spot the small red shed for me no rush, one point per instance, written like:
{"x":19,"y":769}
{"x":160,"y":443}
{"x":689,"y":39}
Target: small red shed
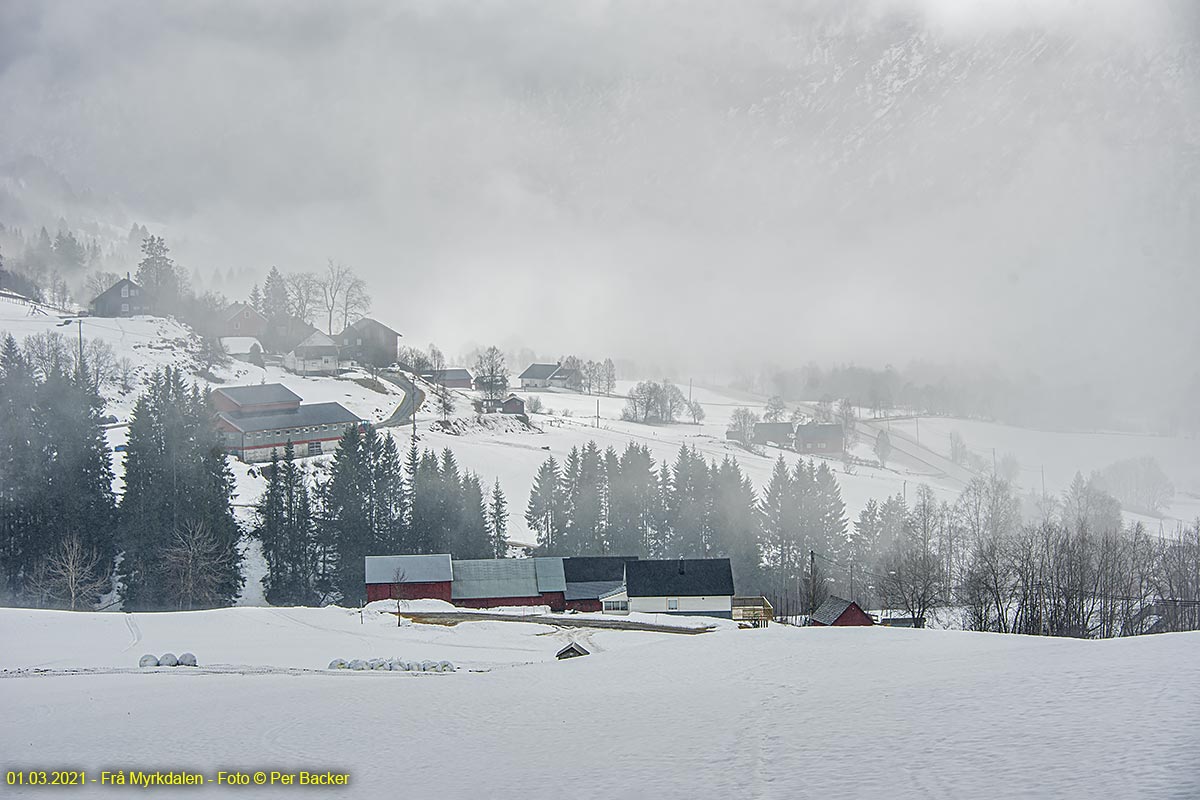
{"x":840,"y":611}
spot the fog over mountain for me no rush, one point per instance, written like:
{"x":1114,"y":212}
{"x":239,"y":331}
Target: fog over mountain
{"x":699,"y":184}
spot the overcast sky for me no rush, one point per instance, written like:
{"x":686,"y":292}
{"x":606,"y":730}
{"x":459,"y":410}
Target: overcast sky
{"x":697,"y":182}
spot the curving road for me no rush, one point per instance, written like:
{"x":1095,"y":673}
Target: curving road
{"x":414,"y":397}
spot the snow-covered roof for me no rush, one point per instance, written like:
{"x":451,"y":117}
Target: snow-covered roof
{"x":240,"y":345}
{"x":305,"y":416}
{"x":411,"y":569}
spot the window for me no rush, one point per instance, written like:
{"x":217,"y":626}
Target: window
{"x":616,"y":605}
{"x":124,"y":308}
{"x":672,"y":603}
{"x":314,"y":448}
{"x":124,"y":291}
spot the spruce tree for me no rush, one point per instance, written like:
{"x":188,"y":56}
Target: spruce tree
{"x":287,"y":534}
{"x":347,"y":515}
{"x":736,"y":526}
{"x":545,"y":509}
{"x":177,"y":479}
{"x":633,"y":503}
{"x":475,"y":540}
{"x":20,"y":469}
{"x":497,"y":521}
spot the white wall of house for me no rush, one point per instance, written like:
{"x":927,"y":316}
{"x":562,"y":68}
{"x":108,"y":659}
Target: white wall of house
{"x":534,"y":383}
{"x":310,"y":366}
{"x":711,"y":604}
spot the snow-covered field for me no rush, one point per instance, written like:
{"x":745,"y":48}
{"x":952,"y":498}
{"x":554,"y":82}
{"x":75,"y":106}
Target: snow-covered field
{"x":775,"y":713}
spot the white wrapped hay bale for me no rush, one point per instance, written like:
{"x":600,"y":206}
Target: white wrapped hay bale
{"x":445,"y":666}
{"x":428,"y":666}
{"x":358,"y":664}
{"x":187,"y":660}
{"x":148,"y":661}
{"x":379,"y":663}
{"x":168,"y":660}
{"x":338,"y":663}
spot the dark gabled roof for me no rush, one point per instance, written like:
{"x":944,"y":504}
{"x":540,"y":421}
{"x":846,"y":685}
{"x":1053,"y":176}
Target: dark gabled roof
{"x":115,"y":287}
{"x":831,"y":609}
{"x":259,"y":394}
{"x":565,"y":374}
{"x":590,"y":590}
{"x":819,"y":432}
{"x":365,"y":322}
{"x":452,"y":374}
{"x":681,"y":577}
{"x":305,"y":416}
{"x":783,"y":429}
{"x":580,"y":569}
{"x":236,"y":308}
{"x":538,"y":372}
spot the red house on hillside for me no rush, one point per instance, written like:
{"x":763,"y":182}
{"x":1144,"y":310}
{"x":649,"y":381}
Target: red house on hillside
{"x":839,"y":611}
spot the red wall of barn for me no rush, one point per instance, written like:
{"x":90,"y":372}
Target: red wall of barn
{"x":585,"y":605}
{"x":408,"y":591}
{"x":555,"y":600}
{"x":854,"y":616}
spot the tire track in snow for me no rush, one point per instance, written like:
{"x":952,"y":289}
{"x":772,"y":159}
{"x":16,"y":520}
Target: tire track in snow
{"x":135,"y":633}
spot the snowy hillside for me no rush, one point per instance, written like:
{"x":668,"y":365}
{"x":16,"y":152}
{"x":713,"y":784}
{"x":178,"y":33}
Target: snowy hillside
{"x":504,"y":449}
{"x":774,"y":713}
{"x":514,"y":456}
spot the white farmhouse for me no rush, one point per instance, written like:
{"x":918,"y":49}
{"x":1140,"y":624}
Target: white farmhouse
{"x":692,"y":586}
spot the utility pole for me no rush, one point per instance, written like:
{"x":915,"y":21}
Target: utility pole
{"x":812,"y":582}
{"x":597,"y":412}
{"x":852,"y":581}
{"x":918,"y":420}
{"x":993,"y":463}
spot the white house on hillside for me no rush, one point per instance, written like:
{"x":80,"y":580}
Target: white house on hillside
{"x":697,"y":586}
{"x":316,"y":355}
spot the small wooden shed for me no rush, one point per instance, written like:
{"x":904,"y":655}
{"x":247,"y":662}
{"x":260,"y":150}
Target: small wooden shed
{"x":573,"y":650}
{"x":840,"y":611}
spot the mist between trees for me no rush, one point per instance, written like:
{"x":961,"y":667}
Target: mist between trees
{"x":992,"y":560}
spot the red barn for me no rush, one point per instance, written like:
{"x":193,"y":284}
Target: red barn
{"x":839,"y":611}
{"x":409,"y":577}
{"x":492,"y":582}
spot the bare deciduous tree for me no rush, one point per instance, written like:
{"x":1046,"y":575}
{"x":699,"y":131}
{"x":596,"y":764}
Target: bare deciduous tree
{"x":197,"y":564}
{"x":333,"y":285}
{"x":303,"y":294}
{"x":71,"y":576}
{"x":355,"y":301}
